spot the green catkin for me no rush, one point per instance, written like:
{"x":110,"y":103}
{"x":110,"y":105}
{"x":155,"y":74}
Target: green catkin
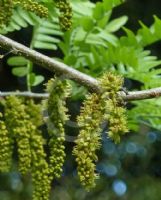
{"x":6,"y":8}
{"x":33,"y":6}
{"x":39,"y":165}
{"x":59,"y":90}
{"x":35,"y":112}
{"x":19,"y":128}
{"x":40,"y":169}
{"x":114,"y":113}
{"x":96,"y":109}
{"x":6,"y":147}
{"x":65,"y":18}
{"x":23,"y":120}
{"x":88,"y":141}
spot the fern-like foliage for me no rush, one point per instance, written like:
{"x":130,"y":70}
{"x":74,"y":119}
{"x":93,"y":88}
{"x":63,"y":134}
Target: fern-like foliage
{"x":90,"y":31}
{"x":46,"y":35}
{"x":145,"y":112}
{"x":44,"y":29}
{"x":92,"y":47}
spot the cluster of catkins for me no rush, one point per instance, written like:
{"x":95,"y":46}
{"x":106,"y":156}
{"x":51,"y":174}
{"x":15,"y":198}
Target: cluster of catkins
{"x":20,"y":123}
{"x":96,"y":109}
{"x":19,"y":126}
{"x":59,"y":90}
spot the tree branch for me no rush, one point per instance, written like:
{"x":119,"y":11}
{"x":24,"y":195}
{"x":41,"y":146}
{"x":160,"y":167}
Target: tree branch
{"x":131,"y":96}
{"x":25,"y":94}
{"x":67,"y":72}
{"x":143,"y":94}
{"x":49,"y":63}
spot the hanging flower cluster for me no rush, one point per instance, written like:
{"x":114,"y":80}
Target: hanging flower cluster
{"x":65,"y":18}
{"x":6,"y":147}
{"x":34,"y":111}
{"x":6,"y":8}
{"x":39,"y":165}
{"x":96,"y":109}
{"x":88,"y":140}
{"x":39,"y":168}
{"x":114,"y":113}
{"x":20,"y":126}
{"x":59,"y":90}
{"x":23,"y":119}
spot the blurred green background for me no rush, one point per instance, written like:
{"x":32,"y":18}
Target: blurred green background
{"x":130,"y":170}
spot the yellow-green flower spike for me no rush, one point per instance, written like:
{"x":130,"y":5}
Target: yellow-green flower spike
{"x":88,"y":141}
{"x":113,"y":112}
{"x":6,"y":7}
{"x":39,"y":165}
{"x":40,"y":169}
{"x":6,"y":147}
{"x":59,"y":90}
{"x":23,"y":119}
{"x":18,"y":125}
{"x":96,"y":109}
{"x":35,"y":112}
{"x":65,"y":18}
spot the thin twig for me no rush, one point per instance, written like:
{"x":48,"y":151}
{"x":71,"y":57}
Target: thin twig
{"x":66,"y":71}
{"x":131,"y":96}
{"x":143,"y":94}
{"x":25,"y":94}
